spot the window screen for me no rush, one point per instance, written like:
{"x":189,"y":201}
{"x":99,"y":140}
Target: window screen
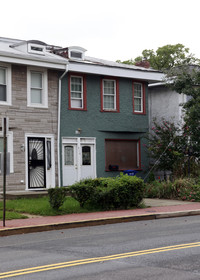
{"x":76,"y":92}
{"x":2,"y":84}
{"x":138,"y":98}
{"x":109,"y":94}
{"x":36,"y":87}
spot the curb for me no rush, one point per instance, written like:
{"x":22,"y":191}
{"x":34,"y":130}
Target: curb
{"x":95,"y":222}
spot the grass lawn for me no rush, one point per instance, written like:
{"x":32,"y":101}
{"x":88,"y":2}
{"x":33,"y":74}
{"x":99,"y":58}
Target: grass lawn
{"x":10,"y":215}
{"x":39,"y":206}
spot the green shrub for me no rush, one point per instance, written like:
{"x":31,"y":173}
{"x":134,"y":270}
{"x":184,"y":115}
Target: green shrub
{"x":57,"y":197}
{"x":188,"y":189}
{"x":109,"y":193}
{"x":153,"y":190}
{"x":128,"y":191}
{"x":151,"y":178}
{"x":83,"y":190}
{"x":182,"y":188}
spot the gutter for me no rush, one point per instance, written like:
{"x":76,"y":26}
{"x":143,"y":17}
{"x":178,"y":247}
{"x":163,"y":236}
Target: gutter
{"x":59,"y":110}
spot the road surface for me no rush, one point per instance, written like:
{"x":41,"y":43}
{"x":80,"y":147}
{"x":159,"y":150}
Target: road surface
{"x":158,"y":249}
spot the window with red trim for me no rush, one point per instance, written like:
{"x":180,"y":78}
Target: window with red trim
{"x":138,"y":98}
{"x":109,"y":95}
{"x":77,"y":92}
{"x":122,"y":154}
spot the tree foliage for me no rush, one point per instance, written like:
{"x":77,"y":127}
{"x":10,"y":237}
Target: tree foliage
{"x":186,"y":79}
{"x":165,"y":145}
{"x":168,"y":145}
{"x":165,"y":57}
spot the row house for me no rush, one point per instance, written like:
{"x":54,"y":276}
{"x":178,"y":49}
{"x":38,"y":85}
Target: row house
{"x":103,"y":117}
{"x":29,"y":75}
{"x":70,"y":116}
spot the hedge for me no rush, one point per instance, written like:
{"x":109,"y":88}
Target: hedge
{"x":121,"y":192}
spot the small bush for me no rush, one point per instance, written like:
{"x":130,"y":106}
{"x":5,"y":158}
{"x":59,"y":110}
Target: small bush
{"x":128,"y":191}
{"x":83,"y":190}
{"x":57,"y":197}
{"x":188,"y":189}
{"x":109,"y":193}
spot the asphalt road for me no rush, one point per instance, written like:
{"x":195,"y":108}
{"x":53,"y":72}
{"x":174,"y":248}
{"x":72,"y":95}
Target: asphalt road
{"x":158,"y":249}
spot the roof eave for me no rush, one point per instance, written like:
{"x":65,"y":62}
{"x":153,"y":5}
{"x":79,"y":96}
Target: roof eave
{"x":33,"y":60}
{"x":116,"y":72}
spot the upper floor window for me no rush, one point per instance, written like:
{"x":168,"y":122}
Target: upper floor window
{"x":76,"y":53}
{"x":5,"y":85}
{"x":138,"y":98}
{"x":77,"y":93}
{"x":109,"y":95}
{"x":36,"y":49}
{"x":37,"y":88}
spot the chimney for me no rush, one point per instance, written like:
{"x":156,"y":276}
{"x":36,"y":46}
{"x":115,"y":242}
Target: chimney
{"x":144,"y":63}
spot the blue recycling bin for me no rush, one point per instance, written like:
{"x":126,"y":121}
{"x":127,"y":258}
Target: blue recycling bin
{"x":130,"y":172}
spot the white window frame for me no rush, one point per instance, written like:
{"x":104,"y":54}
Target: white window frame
{"x":9,"y":136}
{"x":36,"y":49}
{"x":44,"y":103}
{"x":8,"y":84}
{"x":82,"y":91}
{"x":141,"y":98}
{"x":76,"y":50}
{"x":115,"y":95}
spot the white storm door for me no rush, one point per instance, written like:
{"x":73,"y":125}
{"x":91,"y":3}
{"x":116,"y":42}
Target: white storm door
{"x":50,"y":162}
{"x":70,"y":165}
{"x":87,"y":161}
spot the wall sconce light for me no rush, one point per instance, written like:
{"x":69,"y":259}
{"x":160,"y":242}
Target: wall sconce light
{"x":78,"y":131}
{"x":22,"y":147}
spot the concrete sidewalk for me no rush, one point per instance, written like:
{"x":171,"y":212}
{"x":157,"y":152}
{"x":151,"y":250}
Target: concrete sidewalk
{"x":156,"y":209}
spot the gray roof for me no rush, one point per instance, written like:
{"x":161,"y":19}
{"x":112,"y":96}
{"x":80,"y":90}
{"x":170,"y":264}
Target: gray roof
{"x":17,"y":51}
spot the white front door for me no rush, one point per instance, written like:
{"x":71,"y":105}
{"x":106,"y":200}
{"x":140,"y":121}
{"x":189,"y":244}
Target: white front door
{"x":87,"y":161}
{"x":79,"y":159}
{"x":70,"y":167}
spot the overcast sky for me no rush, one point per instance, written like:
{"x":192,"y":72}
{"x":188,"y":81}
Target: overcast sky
{"x":108,"y":29}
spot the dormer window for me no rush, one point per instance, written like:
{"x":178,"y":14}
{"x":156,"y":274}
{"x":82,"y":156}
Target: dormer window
{"x":36,"y":49}
{"x":76,"y":53}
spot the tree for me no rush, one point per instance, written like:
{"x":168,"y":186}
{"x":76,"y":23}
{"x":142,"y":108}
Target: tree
{"x":186,"y":79}
{"x":165,"y":145}
{"x":164,"y":57}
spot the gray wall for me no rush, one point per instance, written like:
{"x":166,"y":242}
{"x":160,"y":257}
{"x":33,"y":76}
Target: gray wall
{"x":23,"y":119}
{"x":165,"y":103}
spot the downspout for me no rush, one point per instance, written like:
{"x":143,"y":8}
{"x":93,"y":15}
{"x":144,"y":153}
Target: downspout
{"x":59,"y":110}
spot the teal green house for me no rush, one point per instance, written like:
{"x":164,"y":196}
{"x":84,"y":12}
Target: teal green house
{"x":103,"y":117}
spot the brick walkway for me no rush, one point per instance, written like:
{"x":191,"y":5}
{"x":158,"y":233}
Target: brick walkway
{"x":181,"y":209}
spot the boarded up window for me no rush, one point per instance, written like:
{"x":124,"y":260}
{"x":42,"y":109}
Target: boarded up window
{"x":123,"y":153}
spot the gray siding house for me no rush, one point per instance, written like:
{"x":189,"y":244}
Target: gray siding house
{"x":165,"y":103}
